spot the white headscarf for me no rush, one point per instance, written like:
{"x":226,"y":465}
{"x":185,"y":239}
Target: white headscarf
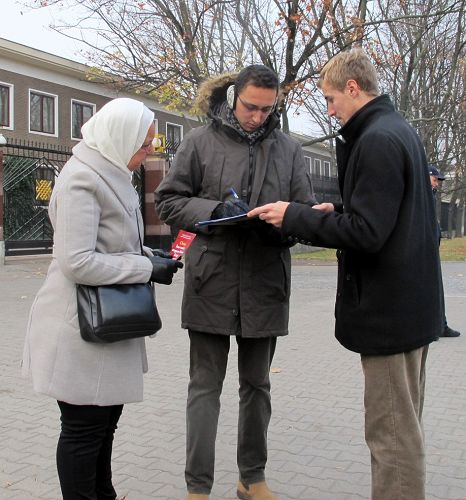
{"x":118,"y":130}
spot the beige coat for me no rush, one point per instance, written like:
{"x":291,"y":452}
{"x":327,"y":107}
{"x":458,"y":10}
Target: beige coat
{"x":93,"y":211}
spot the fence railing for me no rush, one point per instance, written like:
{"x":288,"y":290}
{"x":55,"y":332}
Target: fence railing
{"x":34,"y":149}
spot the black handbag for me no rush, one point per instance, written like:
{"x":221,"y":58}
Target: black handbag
{"x":108,"y":313}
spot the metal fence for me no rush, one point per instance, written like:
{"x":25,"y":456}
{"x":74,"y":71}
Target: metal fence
{"x":29,"y":173}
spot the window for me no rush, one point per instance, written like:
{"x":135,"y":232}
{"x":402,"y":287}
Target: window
{"x":307,"y":162}
{"x":156,"y":123}
{"x":80,"y":113}
{"x":42,"y":113}
{"x":174,"y":134}
{"x":326,"y":168}
{"x":6,"y":106}
{"x":317,"y":172}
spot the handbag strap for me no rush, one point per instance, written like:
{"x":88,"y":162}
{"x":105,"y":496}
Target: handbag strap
{"x":139,"y":233}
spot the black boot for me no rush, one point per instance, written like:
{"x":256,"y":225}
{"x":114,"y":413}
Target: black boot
{"x":449,"y":332}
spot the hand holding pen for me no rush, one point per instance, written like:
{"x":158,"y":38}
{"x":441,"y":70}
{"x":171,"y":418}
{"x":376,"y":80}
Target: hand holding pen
{"x":240,"y":206}
{"x":230,"y":207}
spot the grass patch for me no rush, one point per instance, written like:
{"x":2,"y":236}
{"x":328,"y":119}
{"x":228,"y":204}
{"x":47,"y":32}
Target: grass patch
{"x":324,"y":255}
{"x":454,"y":249}
{"x":450,"y":250}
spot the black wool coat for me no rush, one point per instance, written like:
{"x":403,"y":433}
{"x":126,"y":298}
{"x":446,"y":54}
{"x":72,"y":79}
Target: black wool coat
{"x":388,"y":295}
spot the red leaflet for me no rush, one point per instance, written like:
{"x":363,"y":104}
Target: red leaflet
{"x":181,"y":244}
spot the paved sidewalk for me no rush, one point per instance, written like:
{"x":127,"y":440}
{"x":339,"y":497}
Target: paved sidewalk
{"x":316,"y":443}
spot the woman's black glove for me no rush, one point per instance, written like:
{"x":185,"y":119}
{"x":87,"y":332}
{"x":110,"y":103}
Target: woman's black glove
{"x":163,"y":269}
{"x":230,"y":208}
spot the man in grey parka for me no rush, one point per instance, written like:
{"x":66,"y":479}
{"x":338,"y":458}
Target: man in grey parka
{"x":237,"y":279}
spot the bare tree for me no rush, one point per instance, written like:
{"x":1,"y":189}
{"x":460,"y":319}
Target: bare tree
{"x":167,"y":47}
{"x":161,"y":47}
{"x":422,"y":66}
{"x":155,"y":43}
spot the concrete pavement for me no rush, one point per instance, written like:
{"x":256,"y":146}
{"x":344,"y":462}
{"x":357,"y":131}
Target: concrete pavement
{"x":316,"y":442}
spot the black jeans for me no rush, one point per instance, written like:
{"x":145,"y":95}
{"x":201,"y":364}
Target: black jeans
{"x":208,"y":362}
{"x":84,"y":451}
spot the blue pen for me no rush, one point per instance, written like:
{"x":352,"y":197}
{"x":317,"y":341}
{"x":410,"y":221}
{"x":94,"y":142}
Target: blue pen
{"x":233,"y":192}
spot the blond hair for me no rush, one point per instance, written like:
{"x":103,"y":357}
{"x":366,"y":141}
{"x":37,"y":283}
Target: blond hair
{"x":350,"y":65}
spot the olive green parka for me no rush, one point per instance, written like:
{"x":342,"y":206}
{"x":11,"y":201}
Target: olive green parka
{"x":237,"y":278}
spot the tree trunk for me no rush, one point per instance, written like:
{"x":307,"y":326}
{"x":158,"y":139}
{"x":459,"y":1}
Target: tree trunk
{"x":451,"y":221}
{"x":459,"y":225}
{"x":285,"y":122}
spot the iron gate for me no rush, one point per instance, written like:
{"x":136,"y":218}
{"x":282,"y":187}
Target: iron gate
{"x":29,"y":173}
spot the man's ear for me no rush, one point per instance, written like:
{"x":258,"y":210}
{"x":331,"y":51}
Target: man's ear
{"x":353,"y":88}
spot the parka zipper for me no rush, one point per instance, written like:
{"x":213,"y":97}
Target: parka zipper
{"x":251,"y":172}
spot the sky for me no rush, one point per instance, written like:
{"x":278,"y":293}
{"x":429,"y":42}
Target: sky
{"x":31,"y":27}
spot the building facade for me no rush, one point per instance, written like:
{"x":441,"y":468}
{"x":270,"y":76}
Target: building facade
{"x":46,"y":98}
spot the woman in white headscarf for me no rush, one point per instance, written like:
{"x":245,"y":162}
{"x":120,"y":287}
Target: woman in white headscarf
{"x":95,"y":214}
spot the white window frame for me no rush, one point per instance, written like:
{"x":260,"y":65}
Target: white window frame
{"x":308,"y":163}
{"x":55,"y":118}
{"x":317,"y":167}
{"x":327,"y":171}
{"x":175,"y":125}
{"x":79,"y":101}
{"x":11,"y":117}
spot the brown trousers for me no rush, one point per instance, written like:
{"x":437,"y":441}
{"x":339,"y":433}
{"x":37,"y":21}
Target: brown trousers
{"x":393,"y":401}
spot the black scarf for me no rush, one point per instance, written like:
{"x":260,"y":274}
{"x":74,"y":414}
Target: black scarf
{"x":251,"y":137}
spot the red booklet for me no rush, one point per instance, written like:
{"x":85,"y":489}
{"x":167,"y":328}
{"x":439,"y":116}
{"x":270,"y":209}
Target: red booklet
{"x":181,"y":244}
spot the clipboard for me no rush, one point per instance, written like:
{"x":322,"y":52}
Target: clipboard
{"x":226,"y":221}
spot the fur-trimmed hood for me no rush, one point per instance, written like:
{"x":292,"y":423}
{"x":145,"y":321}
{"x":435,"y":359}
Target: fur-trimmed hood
{"x":212,"y":92}
{"x":211,"y":100}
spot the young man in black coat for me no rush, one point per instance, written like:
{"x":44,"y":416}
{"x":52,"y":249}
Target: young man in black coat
{"x":388,"y":304}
